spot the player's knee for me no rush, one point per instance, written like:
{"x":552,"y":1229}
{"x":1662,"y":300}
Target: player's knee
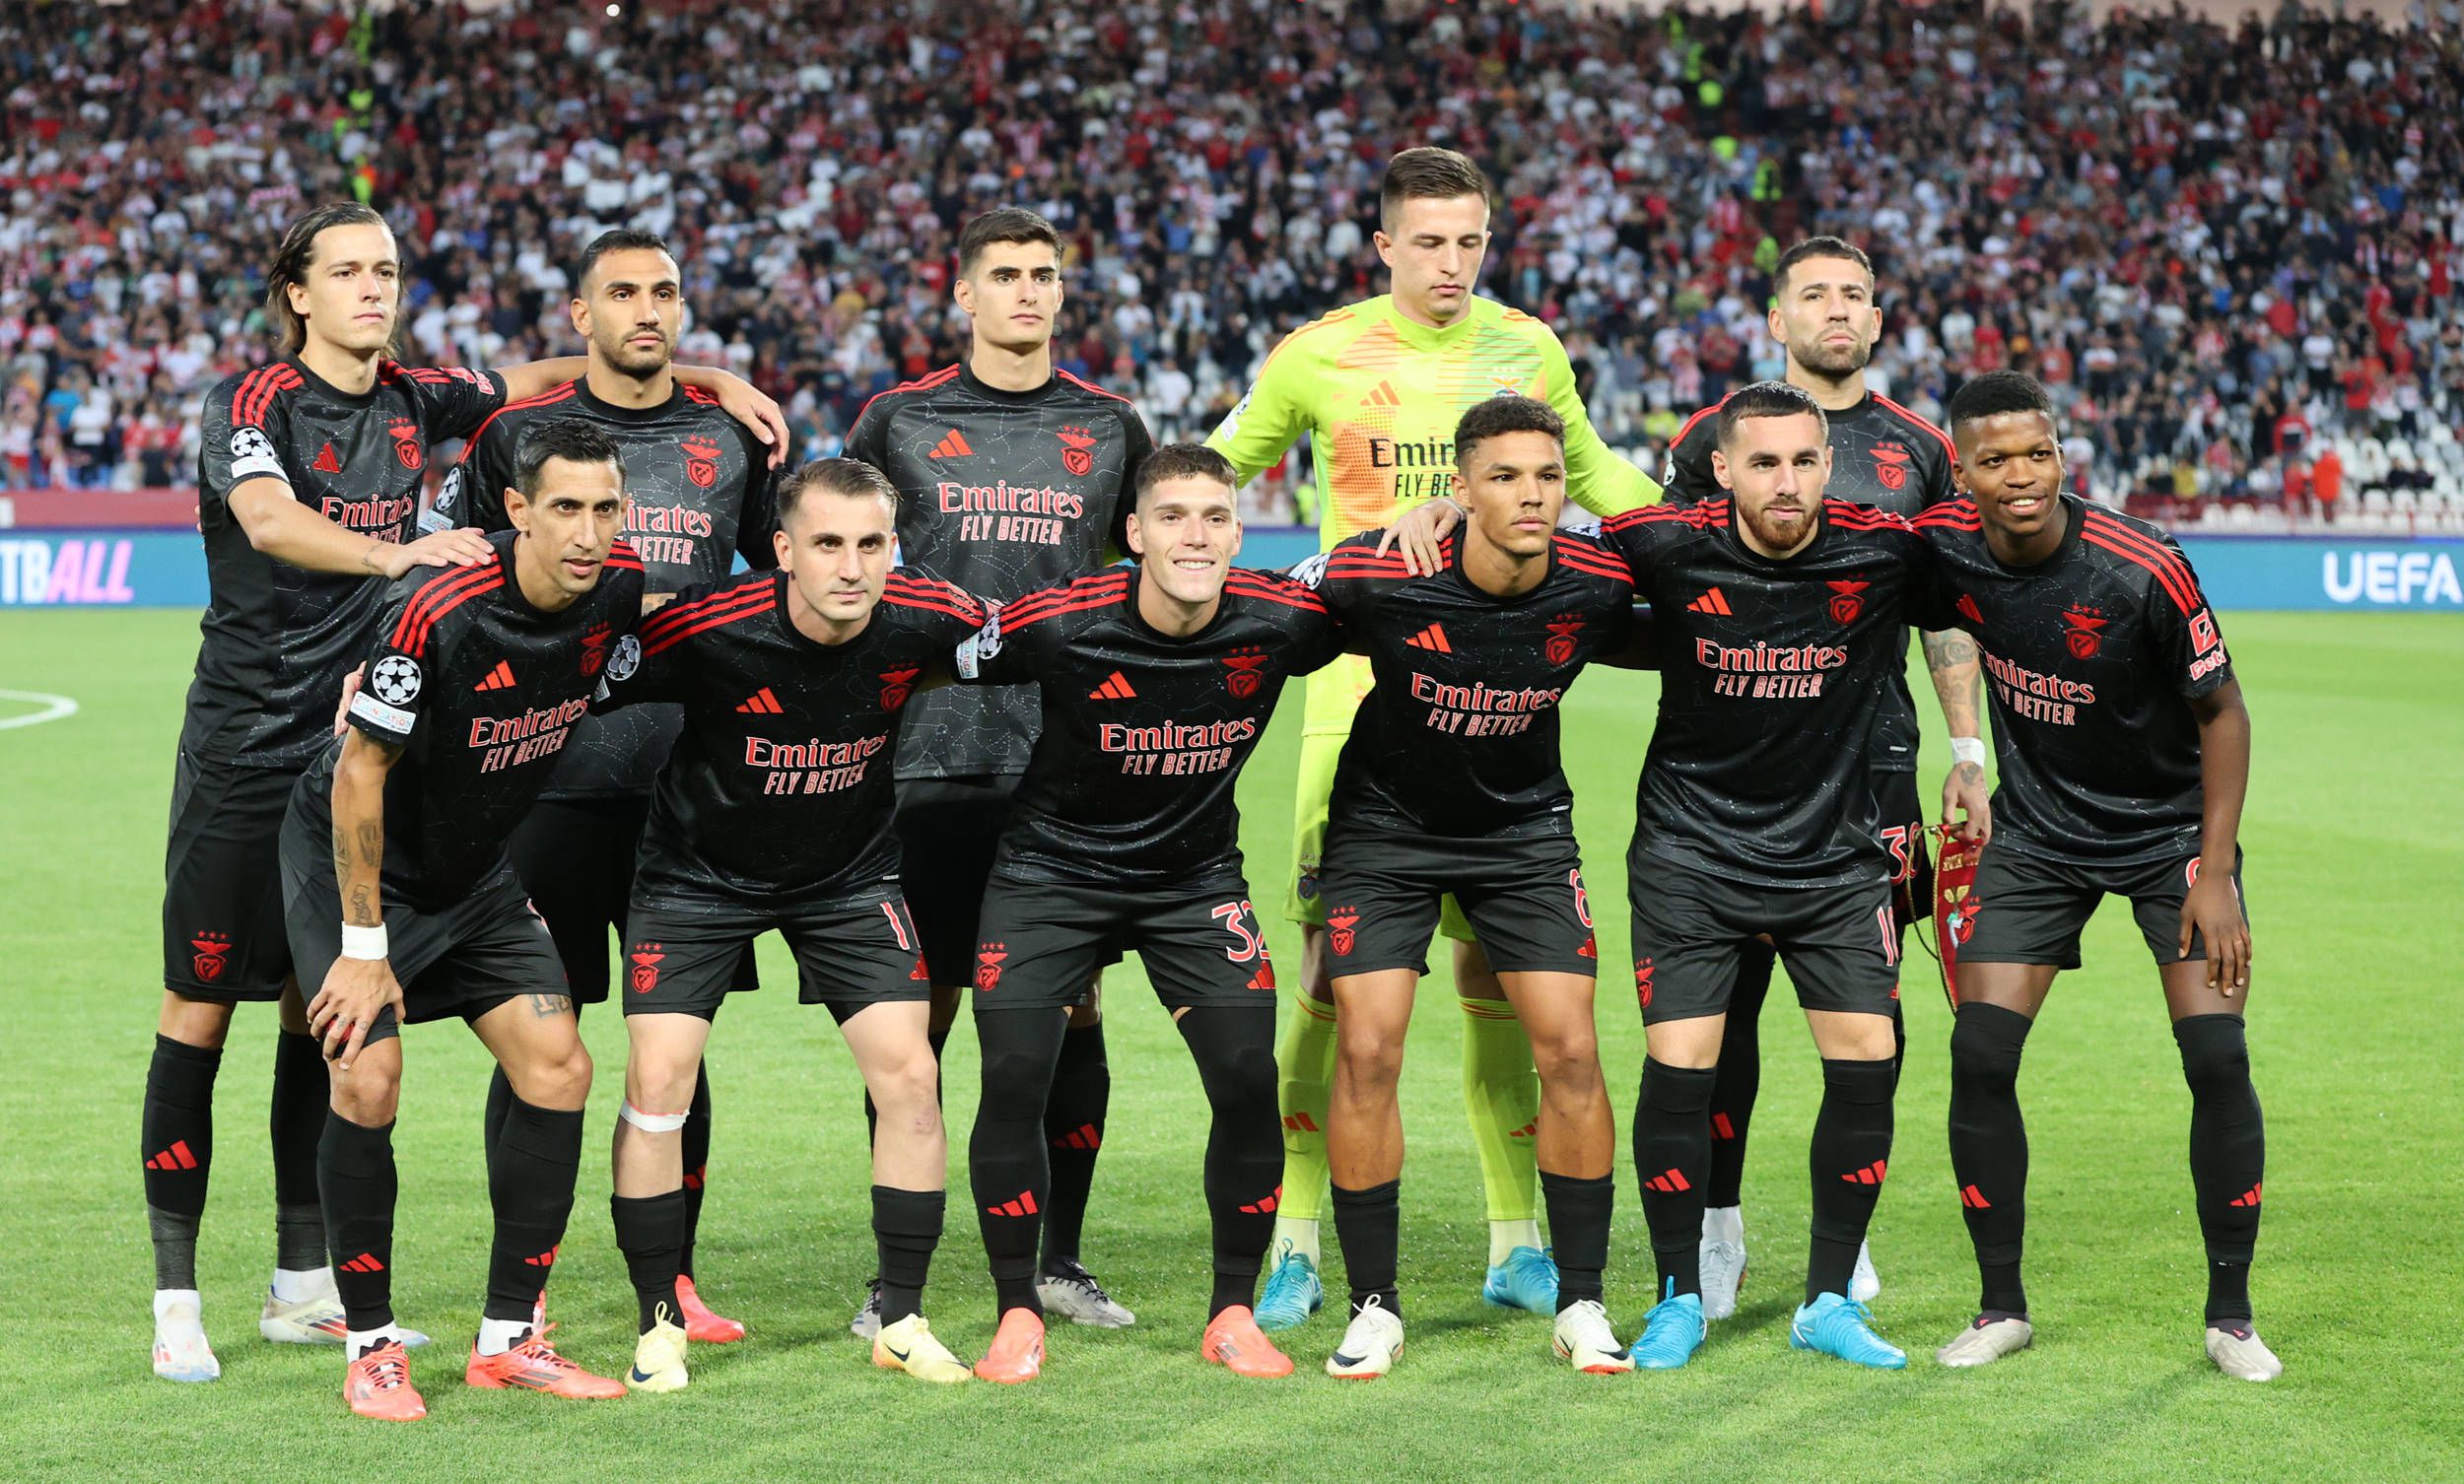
{"x":911,"y":1084}
{"x":1986,"y":1042}
{"x":2215,"y":1055}
{"x":201,"y":1023}
{"x":370,"y":1092}
{"x":1569,"y":1064}
{"x":559,"y":1077}
{"x":661,"y":1085}
{"x":1372,"y":1054}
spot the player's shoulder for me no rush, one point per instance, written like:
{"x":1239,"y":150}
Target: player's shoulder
{"x":624,"y":564}
{"x":1583,"y":551}
{"x":709,"y":607}
{"x":1096,"y":592}
{"x":1664,"y":522}
{"x":431,"y":603}
{"x":508,"y":421}
{"x":1952,"y":526}
{"x":1270,"y":593}
{"x":914,"y":592}
{"x":1694,"y":436}
{"x":1356,"y":559}
{"x":1919,"y":427}
{"x":2137,"y":551}
{"x":1074,"y":387}
{"x":1323,"y":336}
{"x":250,"y":396}
{"x":922,"y":388}
{"x":1870,"y":521}
{"x":1499,"y":315}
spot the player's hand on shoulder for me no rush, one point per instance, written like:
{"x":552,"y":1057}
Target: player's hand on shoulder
{"x":1967,"y":803}
{"x":463,"y":546}
{"x":755,"y":409}
{"x":2211,"y":910}
{"x":347,"y":1005}
{"x":1418,"y":534}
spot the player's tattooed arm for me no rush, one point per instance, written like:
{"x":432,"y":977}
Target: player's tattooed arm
{"x":1950,"y":656}
{"x":2213,"y":907}
{"x":357,"y":989}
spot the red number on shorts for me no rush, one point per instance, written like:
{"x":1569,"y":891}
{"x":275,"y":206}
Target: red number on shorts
{"x":1581,"y":898}
{"x":1235,"y":915}
{"x":898,"y":930}
{"x":1895,"y":838}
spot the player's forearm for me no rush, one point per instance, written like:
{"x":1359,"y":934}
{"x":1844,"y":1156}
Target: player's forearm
{"x":533,"y":377}
{"x":359,"y":811}
{"x":1951,"y":658}
{"x":290,"y":532}
{"x":2224,"y":777}
{"x":1602,"y":481}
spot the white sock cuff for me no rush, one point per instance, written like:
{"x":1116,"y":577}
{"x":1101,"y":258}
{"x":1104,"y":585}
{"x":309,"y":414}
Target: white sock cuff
{"x":650,"y":1122}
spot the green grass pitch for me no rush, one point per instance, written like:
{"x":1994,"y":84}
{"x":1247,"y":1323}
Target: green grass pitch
{"x":2353,"y":825}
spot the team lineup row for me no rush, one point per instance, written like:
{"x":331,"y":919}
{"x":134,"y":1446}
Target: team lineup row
{"x":1083,"y":765}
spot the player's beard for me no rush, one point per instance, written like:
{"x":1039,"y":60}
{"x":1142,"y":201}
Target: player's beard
{"x":1774,"y":536}
{"x":1836,"y":363}
{"x":636,"y":362}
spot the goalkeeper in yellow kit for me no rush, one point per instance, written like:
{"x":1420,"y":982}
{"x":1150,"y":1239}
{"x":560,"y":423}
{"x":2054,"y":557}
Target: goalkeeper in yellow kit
{"x":1379,"y":386}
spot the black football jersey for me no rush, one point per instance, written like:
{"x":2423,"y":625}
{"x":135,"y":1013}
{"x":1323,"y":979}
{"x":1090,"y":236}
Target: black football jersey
{"x":1772,"y":674}
{"x":278,"y":639}
{"x":480,"y":690}
{"x":1458,"y":735}
{"x":999,"y":492}
{"x":2091,"y":659}
{"x":1883,"y":455}
{"x":699,"y":494}
{"x":1142,"y":735}
{"x":781,"y":782}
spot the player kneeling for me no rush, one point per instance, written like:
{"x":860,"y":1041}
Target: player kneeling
{"x":402,"y":905}
{"x":1157,"y":683}
{"x":773,"y":811}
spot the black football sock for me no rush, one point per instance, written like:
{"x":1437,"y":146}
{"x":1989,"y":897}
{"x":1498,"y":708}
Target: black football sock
{"x":1740,"y":1079}
{"x":1989,"y":1147}
{"x":696,"y":1164}
{"x":500,"y":1107}
{"x":1073,"y":1130}
{"x":2228,"y":1156}
{"x":1005,"y":1155}
{"x":906,"y":1228}
{"x":1579,"y":1216}
{"x":1366,"y":1226}
{"x":530,"y":1186}
{"x":650,"y":1232}
{"x":1848,"y":1154}
{"x":1899,"y":1041}
{"x":1234,"y":1046}
{"x":1671,"y":1154}
{"x":177,"y":1151}
{"x":297,"y":1122}
{"x":355,"y":1181}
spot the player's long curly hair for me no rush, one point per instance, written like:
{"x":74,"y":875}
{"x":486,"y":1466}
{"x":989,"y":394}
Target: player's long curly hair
{"x":290,"y":263}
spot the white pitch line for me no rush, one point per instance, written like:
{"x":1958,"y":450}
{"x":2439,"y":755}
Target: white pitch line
{"x":54,"y":709}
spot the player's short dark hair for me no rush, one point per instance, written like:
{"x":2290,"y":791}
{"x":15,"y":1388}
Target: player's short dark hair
{"x":574,"y":440}
{"x":1997,"y":392}
{"x":619,"y":240}
{"x":291,"y":262}
{"x":1491,"y":417}
{"x":1006,"y":223}
{"x":1766,"y":399}
{"x":835,"y":476}
{"x":1813,"y":247}
{"x":1185,"y":461}
{"x":1426,"y":172}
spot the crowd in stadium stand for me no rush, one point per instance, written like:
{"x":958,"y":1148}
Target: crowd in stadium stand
{"x":2227,"y":251}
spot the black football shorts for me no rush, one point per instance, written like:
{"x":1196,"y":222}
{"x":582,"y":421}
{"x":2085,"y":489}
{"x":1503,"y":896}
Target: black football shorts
{"x":1043,"y":941}
{"x":948,"y":831}
{"x":1689,"y":927}
{"x":576,"y":857}
{"x":1910,"y":845}
{"x":683,"y":951}
{"x":223,"y":933}
{"x":2029,"y":909}
{"x":1523,"y":895}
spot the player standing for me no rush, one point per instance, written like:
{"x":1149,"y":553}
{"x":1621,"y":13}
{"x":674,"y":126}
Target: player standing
{"x":309,"y":487}
{"x":697,"y":495}
{"x":1824,"y":315}
{"x":401,"y":902}
{"x":1778,"y":621}
{"x":2124,"y":750}
{"x":1451,"y":785}
{"x":1379,"y":386}
{"x":1011,"y":475}
{"x":773,"y":811}
{"x":1156,"y":684}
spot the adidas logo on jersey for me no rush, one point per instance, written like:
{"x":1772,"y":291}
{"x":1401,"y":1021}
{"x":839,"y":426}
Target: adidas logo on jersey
{"x":499,"y":679}
{"x":1114,"y":688}
{"x":953,"y":444}
{"x":327,"y":461}
{"x":1433,"y":638}
{"x":761,"y":704}
{"x":1714,"y":601}
{"x":1382,"y":396}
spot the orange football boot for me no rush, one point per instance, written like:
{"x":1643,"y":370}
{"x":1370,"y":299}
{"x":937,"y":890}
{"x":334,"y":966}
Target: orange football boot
{"x":534,"y":1366}
{"x":1018,"y":1352}
{"x":701,"y":1326}
{"x":379,"y":1384}
{"x":1235,"y":1342}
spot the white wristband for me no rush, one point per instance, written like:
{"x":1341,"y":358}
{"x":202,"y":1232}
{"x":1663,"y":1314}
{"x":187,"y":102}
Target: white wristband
{"x":364,"y":942}
{"x":1963,"y":750}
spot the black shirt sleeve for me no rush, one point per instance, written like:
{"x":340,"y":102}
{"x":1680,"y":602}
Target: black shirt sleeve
{"x":403,"y":664}
{"x":1142,"y":443}
{"x":1688,"y":479}
{"x":454,"y":400}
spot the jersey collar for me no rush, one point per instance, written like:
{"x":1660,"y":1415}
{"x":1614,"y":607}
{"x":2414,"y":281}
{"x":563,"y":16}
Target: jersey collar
{"x":968,"y":378}
{"x":583,"y":396}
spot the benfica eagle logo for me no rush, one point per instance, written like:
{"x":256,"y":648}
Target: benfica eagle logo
{"x":1242,"y":673}
{"x":646,"y":960}
{"x":700,"y":461}
{"x":1077,"y":450}
{"x":211,"y":948}
{"x":989,"y":958}
{"x":896,"y":685}
{"x":1847,"y":600}
{"x":1340,"y":924}
{"x":1562,"y":631}
{"x":1891,"y":462}
{"x":2081,"y":629}
{"x":1642,"y":982}
{"x":595,"y":651}
{"x":406,"y":443}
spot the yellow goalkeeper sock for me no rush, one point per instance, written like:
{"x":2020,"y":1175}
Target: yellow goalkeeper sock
{"x":1501,"y":1101}
{"x":1304,"y":1057}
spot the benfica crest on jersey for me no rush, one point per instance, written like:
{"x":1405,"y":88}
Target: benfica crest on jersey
{"x":1340,"y":925}
{"x":700,"y":461}
{"x":1847,"y":600}
{"x":646,"y":959}
{"x":1240,"y":672}
{"x":1077,"y":450}
{"x":405,"y":435}
{"x":989,"y":958}
{"x":1562,"y":631}
{"x":1891,"y":462}
{"x":2080,"y":631}
{"x":595,"y":651}
{"x":896,"y":685}
{"x":211,"y":948}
